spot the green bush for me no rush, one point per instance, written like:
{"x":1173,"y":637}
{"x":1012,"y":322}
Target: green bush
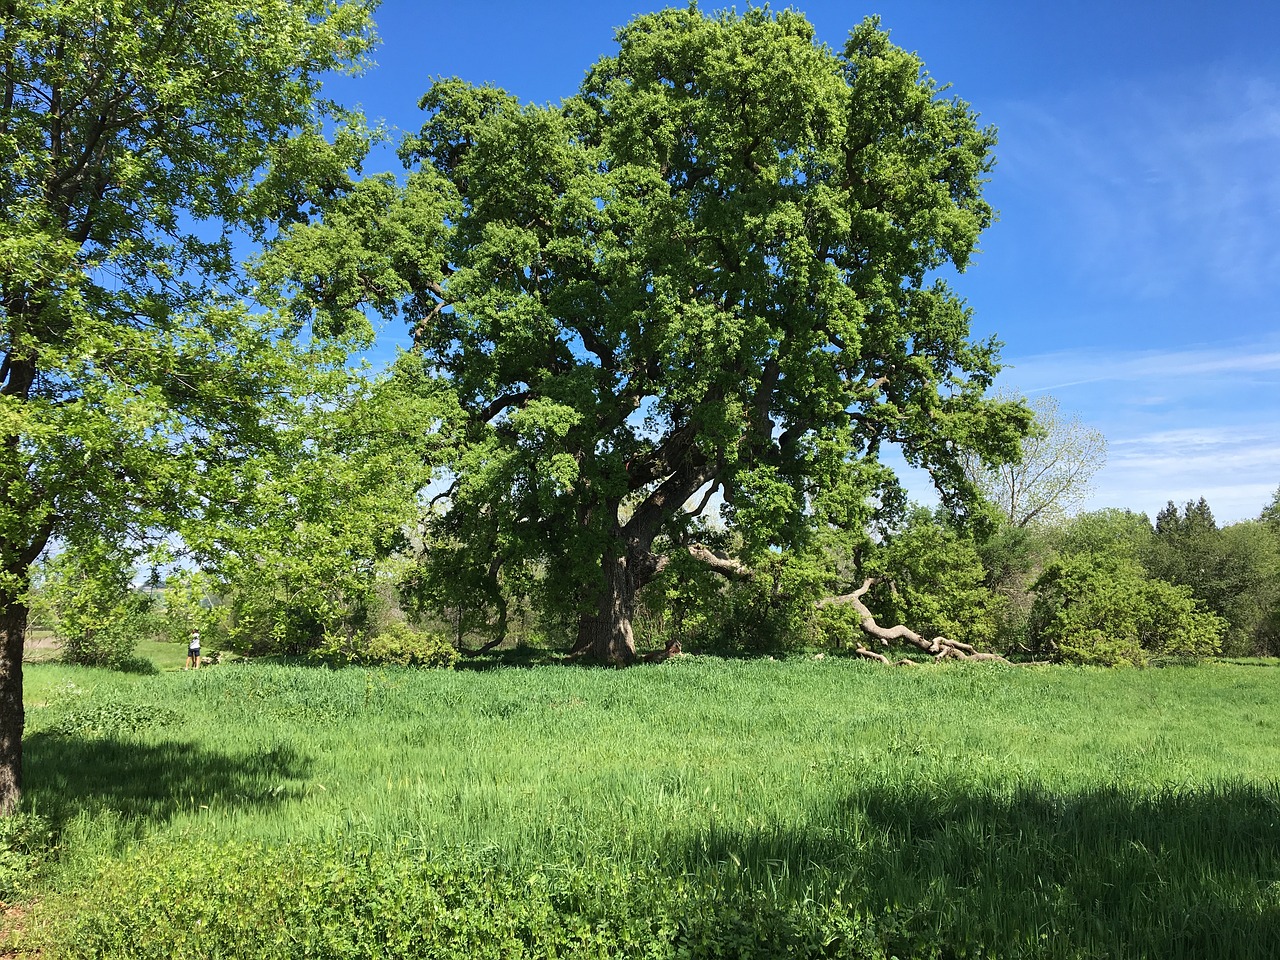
{"x":86,"y":595}
{"x":242,"y":900}
{"x":397,"y":644}
{"x":1102,"y":609}
{"x":113,"y":716}
{"x":26,"y":845}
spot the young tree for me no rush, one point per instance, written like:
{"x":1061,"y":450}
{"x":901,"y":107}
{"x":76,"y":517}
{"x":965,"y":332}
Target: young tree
{"x":138,"y":137}
{"x":714,"y":270}
{"x":303,"y":553}
{"x":1051,"y":477}
{"x":88,"y":598}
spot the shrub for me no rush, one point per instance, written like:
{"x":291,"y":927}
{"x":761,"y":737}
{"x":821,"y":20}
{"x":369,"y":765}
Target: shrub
{"x":90,"y":603}
{"x":397,"y":644}
{"x":331,"y":902}
{"x":1098,"y":608}
{"x":26,"y":844}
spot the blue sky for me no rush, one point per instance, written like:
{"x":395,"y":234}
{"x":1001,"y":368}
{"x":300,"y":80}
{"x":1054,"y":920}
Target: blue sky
{"x":1134,"y":271}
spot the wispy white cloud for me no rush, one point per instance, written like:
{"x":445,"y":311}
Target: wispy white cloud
{"x":1147,"y":187}
{"x":1047,"y":372}
{"x":1180,"y":424}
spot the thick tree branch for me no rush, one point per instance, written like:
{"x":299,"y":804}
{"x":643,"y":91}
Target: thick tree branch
{"x":719,"y":562}
{"x":940,"y":647}
{"x":497,"y":405}
{"x":663,"y":502}
{"x":597,"y":346}
{"x":661,"y":460}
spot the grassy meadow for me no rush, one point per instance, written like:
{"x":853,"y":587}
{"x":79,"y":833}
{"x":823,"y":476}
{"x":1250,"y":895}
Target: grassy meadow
{"x":697,"y":808}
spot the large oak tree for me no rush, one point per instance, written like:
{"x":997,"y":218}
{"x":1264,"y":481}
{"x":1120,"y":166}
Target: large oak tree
{"x":716,"y":271}
{"x":138,"y":139}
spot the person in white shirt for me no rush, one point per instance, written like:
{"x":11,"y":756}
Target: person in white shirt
{"x":193,"y":651}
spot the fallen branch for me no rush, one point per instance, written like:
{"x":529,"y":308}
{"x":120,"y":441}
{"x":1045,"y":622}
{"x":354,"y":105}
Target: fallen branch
{"x":658,"y":656}
{"x":942,"y":648}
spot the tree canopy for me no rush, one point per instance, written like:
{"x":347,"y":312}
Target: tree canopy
{"x":716,"y":271}
{"x":138,"y":140}
{"x":1051,"y":477}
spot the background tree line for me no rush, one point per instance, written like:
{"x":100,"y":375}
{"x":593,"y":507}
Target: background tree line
{"x":1100,"y":587}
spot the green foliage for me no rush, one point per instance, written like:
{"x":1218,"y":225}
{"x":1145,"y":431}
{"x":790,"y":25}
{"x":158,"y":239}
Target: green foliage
{"x":144,"y":142}
{"x":1012,"y":558}
{"x":342,"y":901}
{"x":768,"y":612}
{"x":326,"y":525}
{"x":27,"y":845}
{"x":191,"y":601}
{"x":1248,"y":583}
{"x":933,"y":581}
{"x":1101,"y":608}
{"x":1117,"y":532}
{"x":107,"y":718}
{"x":397,"y":644}
{"x":87,"y":597}
{"x":713,"y":268}
{"x":1235,"y":570}
{"x":1271,"y":512}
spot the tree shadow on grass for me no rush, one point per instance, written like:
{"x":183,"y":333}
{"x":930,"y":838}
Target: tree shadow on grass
{"x":957,"y":870}
{"x":66,"y":775}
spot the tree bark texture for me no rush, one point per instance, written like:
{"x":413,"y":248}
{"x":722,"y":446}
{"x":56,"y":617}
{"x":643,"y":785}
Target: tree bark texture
{"x":605,"y":635}
{"x":13,"y":629}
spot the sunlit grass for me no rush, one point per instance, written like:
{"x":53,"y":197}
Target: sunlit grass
{"x":1030,"y":811}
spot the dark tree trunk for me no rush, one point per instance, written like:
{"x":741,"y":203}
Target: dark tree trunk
{"x":13,"y":629}
{"x":605,"y":635}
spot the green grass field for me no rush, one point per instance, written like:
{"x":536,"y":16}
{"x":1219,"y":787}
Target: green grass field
{"x":698,"y":808}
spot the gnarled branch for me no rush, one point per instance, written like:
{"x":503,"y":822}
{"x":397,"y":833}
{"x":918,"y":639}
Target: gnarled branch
{"x":719,"y":562}
{"x":941,"y":647}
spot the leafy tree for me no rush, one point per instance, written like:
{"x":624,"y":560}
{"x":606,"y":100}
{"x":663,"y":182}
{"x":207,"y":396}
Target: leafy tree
{"x":302,"y":553}
{"x":1101,"y":608}
{"x":1271,"y":512}
{"x":1248,"y":587}
{"x":139,"y":138}
{"x":1110,"y":530}
{"x":87,"y":597}
{"x":1051,"y":477}
{"x":191,"y":601}
{"x":714,"y":270}
{"x":1235,"y":570}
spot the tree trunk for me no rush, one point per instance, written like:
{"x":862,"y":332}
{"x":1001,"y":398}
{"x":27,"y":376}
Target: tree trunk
{"x":13,"y":629}
{"x":605,"y":636}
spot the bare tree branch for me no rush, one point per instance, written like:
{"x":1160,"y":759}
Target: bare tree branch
{"x":940,"y":647}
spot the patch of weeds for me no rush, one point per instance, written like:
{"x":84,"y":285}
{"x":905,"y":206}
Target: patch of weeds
{"x":109,"y":718}
{"x":27,"y":843}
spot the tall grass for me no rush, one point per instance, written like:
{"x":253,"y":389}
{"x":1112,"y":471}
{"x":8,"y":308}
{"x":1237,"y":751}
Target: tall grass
{"x":968,"y":810}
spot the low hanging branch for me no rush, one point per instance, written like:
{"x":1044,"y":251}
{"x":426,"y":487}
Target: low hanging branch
{"x":941,"y":647}
{"x":720,"y":563}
